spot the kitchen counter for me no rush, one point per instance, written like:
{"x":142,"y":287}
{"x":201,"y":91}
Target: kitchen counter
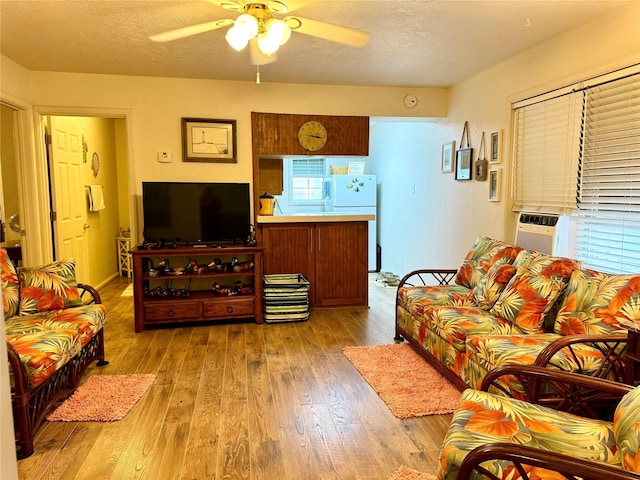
{"x":316,"y":217}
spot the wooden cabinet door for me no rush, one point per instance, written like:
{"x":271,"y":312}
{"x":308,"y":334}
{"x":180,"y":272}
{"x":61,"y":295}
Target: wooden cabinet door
{"x":341,"y":264}
{"x":289,"y":249}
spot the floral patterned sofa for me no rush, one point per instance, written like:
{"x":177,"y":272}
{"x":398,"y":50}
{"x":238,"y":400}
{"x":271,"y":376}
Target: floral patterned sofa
{"x":53,"y":330}
{"x":507,"y":305}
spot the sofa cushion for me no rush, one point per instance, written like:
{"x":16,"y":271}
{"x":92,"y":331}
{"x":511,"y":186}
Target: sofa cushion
{"x":486,"y":352}
{"x":49,"y":287}
{"x":414,"y":299}
{"x":86,"y":320}
{"x":44,"y":352}
{"x":533,"y":289}
{"x":483,"y":418}
{"x":454,"y":324}
{"x":10,"y":285}
{"x":484,"y":253}
{"x":595,"y":303}
{"x":625,"y":429}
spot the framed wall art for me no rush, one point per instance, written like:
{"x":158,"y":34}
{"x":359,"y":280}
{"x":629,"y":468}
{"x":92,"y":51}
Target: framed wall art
{"x":496,"y":147}
{"x":495,"y":180}
{"x":463,"y":164}
{"x":208,"y":140}
{"x":447,"y":157}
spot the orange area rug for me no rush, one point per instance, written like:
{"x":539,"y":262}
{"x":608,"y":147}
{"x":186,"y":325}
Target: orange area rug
{"x":404,"y":473}
{"x":103,"y":398}
{"x":405,"y":381}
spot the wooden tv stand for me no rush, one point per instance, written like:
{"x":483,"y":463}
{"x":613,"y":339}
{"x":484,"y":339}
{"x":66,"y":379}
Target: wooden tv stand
{"x":201,"y":303}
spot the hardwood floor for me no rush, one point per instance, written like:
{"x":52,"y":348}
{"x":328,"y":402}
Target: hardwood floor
{"x":243,"y":401}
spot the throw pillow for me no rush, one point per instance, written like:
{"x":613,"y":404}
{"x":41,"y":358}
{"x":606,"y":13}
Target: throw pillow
{"x":596,"y":303}
{"x":533,"y":289}
{"x":491,"y":285}
{"x":49,"y":287}
{"x":10,"y":285}
{"x":484,"y":253}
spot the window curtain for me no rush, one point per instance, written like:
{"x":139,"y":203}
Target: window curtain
{"x":607,"y":226}
{"x":546,"y":152}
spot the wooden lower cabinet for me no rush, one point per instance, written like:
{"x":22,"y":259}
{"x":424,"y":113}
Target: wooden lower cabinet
{"x":202,"y":303}
{"x":332,"y":256}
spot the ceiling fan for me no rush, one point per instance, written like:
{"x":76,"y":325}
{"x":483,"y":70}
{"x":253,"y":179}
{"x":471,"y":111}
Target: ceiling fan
{"x":260,"y":28}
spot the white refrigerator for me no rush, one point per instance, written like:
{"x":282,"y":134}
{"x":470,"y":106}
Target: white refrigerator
{"x":356,"y":194}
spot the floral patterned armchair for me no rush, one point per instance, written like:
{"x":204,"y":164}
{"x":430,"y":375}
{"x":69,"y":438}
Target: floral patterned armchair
{"x":496,"y":437}
{"x":53,"y":331}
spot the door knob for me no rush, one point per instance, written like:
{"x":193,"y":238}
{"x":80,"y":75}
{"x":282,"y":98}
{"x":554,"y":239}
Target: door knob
{"x":85,"y":226}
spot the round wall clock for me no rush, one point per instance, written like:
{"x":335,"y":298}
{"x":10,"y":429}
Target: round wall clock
{"x":312,"y":135}
{"x":95,"y":163}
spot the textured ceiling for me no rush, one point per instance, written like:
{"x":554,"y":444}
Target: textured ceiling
{"x":415,"y":43}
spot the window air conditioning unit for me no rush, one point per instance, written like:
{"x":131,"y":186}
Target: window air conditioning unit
{"x":544,"y":233}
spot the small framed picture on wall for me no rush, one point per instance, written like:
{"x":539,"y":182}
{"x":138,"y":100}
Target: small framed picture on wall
{"x":495,"y":180}
{"x":463,"y":164}
{"x":496,"y":147}
{"x":448,"y":150}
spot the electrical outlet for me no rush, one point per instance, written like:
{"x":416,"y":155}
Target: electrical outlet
{"x":164,"y":157}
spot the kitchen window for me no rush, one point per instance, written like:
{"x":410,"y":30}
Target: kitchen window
{"x":307,"y":176}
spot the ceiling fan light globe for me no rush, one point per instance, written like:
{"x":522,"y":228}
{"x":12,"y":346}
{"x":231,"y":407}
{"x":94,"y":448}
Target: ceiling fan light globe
{"x":278,"y":30}
{"x":236,"y":38}
{"x":248,"y":24}
{"x":268,"y":45}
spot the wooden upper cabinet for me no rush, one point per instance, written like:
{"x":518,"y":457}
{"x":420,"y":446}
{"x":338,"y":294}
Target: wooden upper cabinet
{"x":277,"y":134}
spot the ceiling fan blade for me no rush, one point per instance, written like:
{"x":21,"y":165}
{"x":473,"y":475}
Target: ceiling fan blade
{"x":328,"y":31}
{"x":257,"y":57}
{"x":188,"y":31}
{"x":228,"y":4}
{"x":297,"y":4}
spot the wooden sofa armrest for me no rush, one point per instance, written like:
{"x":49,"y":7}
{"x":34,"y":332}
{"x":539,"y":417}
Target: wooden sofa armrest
{"x":88,"y":294}
{"x":570,"y":467}
{"x":424,"y":277}
{"x":612,"y":346}
{"x":582,"y":395}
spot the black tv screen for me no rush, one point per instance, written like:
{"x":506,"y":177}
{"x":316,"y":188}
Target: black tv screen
{"x":195,"y":212}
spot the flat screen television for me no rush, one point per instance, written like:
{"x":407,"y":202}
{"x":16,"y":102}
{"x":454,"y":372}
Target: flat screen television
{"x":186,"y":212}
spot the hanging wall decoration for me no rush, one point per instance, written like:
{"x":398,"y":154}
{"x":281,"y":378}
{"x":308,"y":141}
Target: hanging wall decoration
{"x":496,"y":147}
{"x":463,"y":156}
{"x":480,"y":166}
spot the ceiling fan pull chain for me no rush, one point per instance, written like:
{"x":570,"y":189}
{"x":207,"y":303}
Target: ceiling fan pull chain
{"x":257,"y":74}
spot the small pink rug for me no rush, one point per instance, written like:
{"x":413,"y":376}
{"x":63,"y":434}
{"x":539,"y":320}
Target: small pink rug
{"x":103,"y":398}
{"x":404,"y":473}
{"x":404,"y":380}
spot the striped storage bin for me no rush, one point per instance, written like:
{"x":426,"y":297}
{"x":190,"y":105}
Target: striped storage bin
{"x":285,"y":298}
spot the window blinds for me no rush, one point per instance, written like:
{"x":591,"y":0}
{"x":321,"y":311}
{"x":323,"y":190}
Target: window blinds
{"x":307,"y":180}
{"x":547,"y":150}
{"x":607,"y":235}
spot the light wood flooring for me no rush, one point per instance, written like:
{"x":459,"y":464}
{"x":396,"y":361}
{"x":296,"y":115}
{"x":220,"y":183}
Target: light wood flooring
{"x":243,"y":401}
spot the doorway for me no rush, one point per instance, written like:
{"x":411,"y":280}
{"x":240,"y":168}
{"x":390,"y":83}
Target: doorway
{"x":87,"y":156}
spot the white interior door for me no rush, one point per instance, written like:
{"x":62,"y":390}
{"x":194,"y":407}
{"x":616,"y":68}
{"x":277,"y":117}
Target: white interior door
{"x":68,"y":194}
